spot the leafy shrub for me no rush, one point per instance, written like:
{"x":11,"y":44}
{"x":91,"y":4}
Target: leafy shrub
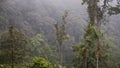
{"x":39,"y":62}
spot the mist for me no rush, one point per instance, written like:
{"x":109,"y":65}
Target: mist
{"x":38,"y":19}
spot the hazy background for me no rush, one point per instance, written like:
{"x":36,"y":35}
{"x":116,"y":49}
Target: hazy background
{"x":37,"y":17}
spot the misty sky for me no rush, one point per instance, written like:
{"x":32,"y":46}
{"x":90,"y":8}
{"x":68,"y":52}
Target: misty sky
{"x":52,"y":6}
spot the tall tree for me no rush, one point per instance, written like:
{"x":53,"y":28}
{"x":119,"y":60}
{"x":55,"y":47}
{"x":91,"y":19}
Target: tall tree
{"x":92,"y":48}
{"x":95,"y":15}
{"x":61,"y":35}
{"x":13,"y":47}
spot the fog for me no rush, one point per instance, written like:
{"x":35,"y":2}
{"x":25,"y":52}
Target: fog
{"x":53,"y":5}
{"x":51,"y":10}
{"x":36,"y":18}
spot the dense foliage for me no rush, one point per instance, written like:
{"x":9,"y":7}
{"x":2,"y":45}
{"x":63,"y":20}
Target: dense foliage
{"x":91,"y":49}
{"x":35,"y":37}
{"x":40,"y":48}
{"x":14,"y":47}
{"x":38,"y":62}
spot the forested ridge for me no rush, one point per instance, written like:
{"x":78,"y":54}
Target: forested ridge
{"x":59,"y":34}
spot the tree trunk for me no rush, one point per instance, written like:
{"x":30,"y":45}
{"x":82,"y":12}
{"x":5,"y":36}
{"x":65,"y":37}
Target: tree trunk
{"x":12,"y":57}
{"x":12,"y":50}
{"x":60,"y":54}
{"x":85,"y":58}
{"x":12,"y":54}
{"x":97,"y":54}
{"x":97,"y":62}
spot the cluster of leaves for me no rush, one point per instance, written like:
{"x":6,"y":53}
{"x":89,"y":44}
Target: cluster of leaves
{"x":114,"y":10}
{"x":4,"y":66}
{"x":38,"y":62}
{"x":91,"y":40}
{"x":40,"y":48}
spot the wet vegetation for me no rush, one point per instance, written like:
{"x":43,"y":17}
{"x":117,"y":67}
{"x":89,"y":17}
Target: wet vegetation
{"x":59,"y":34}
